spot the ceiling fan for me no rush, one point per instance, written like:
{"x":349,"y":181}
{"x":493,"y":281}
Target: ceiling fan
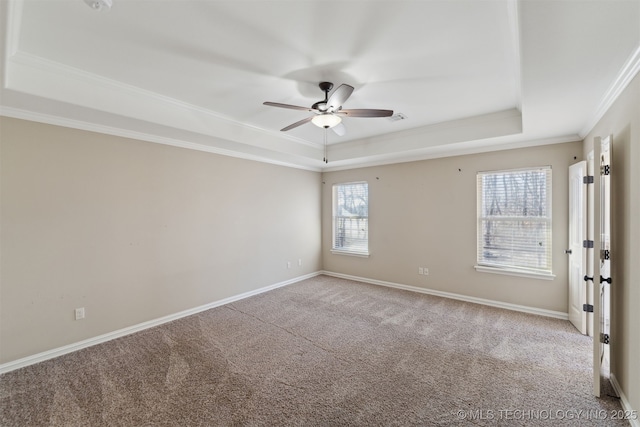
{"x":328,"y":113}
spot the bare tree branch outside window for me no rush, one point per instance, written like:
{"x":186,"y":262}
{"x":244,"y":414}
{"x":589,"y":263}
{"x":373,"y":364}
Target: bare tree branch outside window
{"x":514,"y":219}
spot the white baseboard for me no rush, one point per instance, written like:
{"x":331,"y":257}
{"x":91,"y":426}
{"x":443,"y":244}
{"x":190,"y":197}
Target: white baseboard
{"x":626,"y":406}
{"x":492,"y":303}
{"x":50,"y":354}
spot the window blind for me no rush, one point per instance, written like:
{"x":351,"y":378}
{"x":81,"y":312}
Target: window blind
{"x":514,"y":219}
{"x":351,"y":217}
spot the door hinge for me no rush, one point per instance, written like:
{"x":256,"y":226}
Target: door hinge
{"x":587,"y":244}
{"x":604,"y":338}
{"x":587,"y":307}
{"x":604,"y":254}
{"x":588,"y":179}
{"x":605,"y":170}
{"x":587,"y":278}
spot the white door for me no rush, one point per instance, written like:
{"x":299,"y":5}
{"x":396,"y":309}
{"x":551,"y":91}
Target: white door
{"x":590,"y":233}
{"x":602,"y":261}
{"x":576,"y":252}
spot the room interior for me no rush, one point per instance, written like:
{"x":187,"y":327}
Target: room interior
{"x":144,"y":180}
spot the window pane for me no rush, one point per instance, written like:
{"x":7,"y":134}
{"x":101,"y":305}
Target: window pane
{"x":514,"y":219}
{"x":351,"y":234}
{"x":521,"y":193}
{"x":351,"y":217}
{"x":516,"y":244}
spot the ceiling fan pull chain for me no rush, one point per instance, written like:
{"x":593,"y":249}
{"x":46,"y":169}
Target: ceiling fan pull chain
{"x":325,"y":147}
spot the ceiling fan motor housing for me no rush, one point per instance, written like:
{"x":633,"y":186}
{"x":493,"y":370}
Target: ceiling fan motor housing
{"x":325,"y":86}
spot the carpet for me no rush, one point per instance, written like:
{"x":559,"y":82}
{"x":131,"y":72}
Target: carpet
{"x":322,"y":352}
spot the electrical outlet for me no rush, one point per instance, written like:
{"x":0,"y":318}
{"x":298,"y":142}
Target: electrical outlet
{"x":426,"y":271}
{"x":79,"y":312}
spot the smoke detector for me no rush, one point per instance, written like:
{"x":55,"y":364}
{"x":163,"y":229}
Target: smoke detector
{"x":99,"y":4}
{"x":397,"y":116}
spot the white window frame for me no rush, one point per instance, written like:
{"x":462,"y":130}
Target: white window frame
{"x":360,"y":246}
{"x":484,"y":264}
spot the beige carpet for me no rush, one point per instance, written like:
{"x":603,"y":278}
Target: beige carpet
{"x":322,"y":352}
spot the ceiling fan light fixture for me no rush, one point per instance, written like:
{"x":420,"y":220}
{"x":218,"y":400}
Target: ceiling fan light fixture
{"x":326,"y":120}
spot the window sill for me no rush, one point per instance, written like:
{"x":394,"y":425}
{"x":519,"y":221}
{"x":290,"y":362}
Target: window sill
{"x":513,"y":272}
{"x":350,"y":253}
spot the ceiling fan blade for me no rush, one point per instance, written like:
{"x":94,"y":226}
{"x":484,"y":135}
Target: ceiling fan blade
{"x":339,"y":129}
{"x":338,"y":97}
{"x":296,"y":124}
{"x":365,"y":112}
{"x":291,"y":107}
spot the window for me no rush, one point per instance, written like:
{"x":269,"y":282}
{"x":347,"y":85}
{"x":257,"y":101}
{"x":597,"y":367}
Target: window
{"x":351,"y":218}
{"x":514,"y":221}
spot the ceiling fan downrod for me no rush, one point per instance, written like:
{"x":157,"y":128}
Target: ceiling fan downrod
{"x":326,"y":88}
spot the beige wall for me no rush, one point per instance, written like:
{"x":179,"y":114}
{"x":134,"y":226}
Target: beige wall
{"x":424,"y":214}
{"x":623,"y":122}
{"x":134,"y":231}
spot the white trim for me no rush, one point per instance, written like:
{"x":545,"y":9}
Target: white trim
{"x":486,"y":265}
{"x":98,"y":81}
{"x":629,"y":70}
{"x":624,"y":402}
{"x":450,"y":295}
{"x":522,"y":169}
{"x":334,"y":205}
{"x":50,"y":354}
{"x":512,"y":272}
{"x":349,"y":253}
{"x":141,"y":136}
{"x":445,"y":151}
{"x":13,"y":22}
{"x":516,"y":46}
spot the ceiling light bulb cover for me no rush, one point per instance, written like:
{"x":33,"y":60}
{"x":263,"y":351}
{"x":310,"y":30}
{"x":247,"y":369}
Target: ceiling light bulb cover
{"x":326,"y":120}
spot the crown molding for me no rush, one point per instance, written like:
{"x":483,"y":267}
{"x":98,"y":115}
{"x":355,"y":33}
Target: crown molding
{"x":627,"y":73}
{"x":205,"y":130}
{"x":439,"y":136}
{"x":54,"y":72}
{"x":141,"y":136}
{"x":451,"y":150}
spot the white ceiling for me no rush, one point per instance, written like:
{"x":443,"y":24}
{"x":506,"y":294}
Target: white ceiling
{"x":469,"y":76}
